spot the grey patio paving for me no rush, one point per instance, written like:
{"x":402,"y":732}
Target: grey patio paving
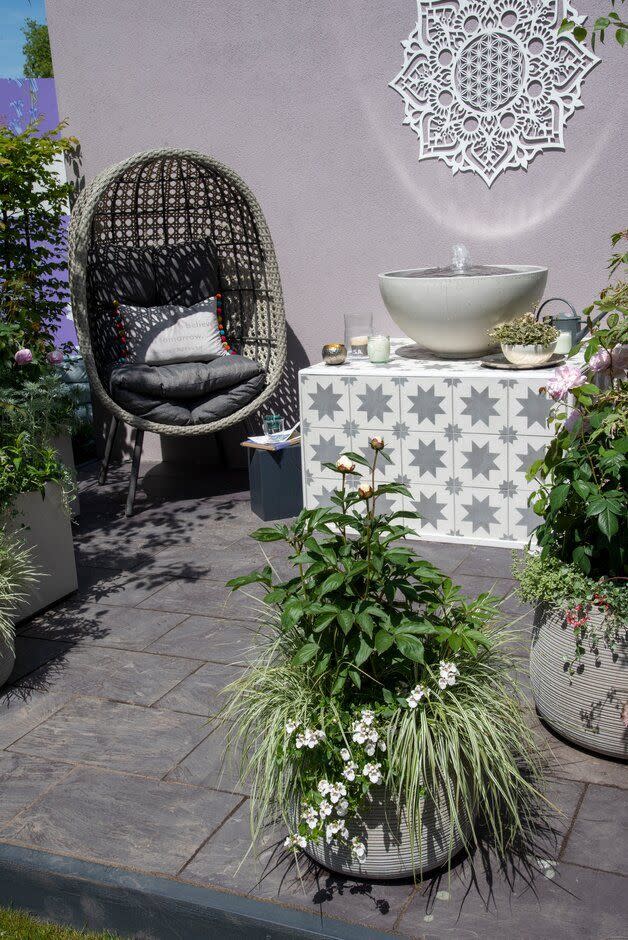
{"x":106,"y":753}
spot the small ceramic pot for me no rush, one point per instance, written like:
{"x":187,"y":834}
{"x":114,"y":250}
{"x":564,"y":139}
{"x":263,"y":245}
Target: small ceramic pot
{"x":334,"y":354}
{"x":533,"y":355}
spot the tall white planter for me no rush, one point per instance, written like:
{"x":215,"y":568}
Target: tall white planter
{"x":584,"y":708}
{"x":390,"y":851}
{"x":44,"y":526}
{"x":7,"y":660}
{"x":63,"y":446}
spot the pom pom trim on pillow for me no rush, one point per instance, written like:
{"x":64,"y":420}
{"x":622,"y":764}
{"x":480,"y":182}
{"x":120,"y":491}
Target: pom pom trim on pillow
{"x":123,"y":339}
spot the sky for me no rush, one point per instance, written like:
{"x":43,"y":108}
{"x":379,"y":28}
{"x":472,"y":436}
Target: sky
{"x":12,"y":16}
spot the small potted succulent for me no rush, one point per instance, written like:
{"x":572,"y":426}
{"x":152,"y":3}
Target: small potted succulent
{"x":576,"y":573}
{"x":526,"y":341}
{"x":378,"y":719}
{"x":16,"y":575}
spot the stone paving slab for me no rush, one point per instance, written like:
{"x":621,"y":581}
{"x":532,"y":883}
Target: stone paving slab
{"x":146,"y":741}
{"x":108,"y":754}
{"x":150,"y":825}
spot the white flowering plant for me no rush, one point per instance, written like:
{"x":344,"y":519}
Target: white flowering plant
{"x":377,"y":673}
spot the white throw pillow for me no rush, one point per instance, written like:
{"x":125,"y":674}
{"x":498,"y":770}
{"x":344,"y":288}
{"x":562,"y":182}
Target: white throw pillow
{"x":158,"y":336}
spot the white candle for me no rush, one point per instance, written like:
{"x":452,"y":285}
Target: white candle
{"x":358,"y":345}
{"x":379,"y":348}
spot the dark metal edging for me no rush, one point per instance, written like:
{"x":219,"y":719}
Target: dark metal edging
{"x":87,"y":895}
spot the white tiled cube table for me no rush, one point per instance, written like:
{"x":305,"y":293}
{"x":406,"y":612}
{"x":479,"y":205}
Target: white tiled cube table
{"x":460,"y":436}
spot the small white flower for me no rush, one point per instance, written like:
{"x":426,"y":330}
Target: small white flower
{"x":370,"y":750}
{"x":360,"y":732}
{"x":291,"y":726}
{"x":368,"y":717}
{"x":309,"y":738}
{"x":310,"y":816}
{"x":448,"y":674}
{"x":373,"y":772}
{"x":358,"y":849}
{"x":349,"y":771}
{"x":300,"y":741}
{"x":373,"y":736}
{"x":342,"y":808}
{"x":320,"y":735}
{"x":323,"y":787}
{"x":381,"y":745}
{"x":345,"y":753}
{"x":415,"y":696}
{"x":325,"y":809}
{"x":336,"y":791}
{"x":295,"y":841}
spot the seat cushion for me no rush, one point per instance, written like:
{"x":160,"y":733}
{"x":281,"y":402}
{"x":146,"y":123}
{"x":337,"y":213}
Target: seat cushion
{"x":189,"y":392}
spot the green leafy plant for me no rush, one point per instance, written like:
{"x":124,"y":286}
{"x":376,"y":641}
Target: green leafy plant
{"x":608,"y":21}
{"x":26,"y":465}
{"x":36,"y":49}
{"x":33,"y":250}
{"x":550,"y":581}
{"x":525,"y":331}
{"x":374,"y":670}
{"x":582,"y":476}
{"x":16,"y":574}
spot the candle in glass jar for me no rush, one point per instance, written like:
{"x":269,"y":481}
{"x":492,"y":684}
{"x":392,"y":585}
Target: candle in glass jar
{"x":379,"y":348}
{"x":359,"y":345}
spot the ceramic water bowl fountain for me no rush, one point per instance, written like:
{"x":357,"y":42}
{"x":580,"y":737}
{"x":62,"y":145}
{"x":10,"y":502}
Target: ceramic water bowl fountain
{"x":450,"y":310}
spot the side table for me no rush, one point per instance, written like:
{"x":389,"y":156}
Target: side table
{"x":275,"y":480}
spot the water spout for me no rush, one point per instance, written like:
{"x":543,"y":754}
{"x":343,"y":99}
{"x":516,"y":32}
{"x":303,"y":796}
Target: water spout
{"x":460,"y":258}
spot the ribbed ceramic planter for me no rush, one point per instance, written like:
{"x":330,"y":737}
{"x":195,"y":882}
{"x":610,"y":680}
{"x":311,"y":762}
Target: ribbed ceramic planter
{"x":7,"y":660}
{"x":586,"y":707}
{"x":390,"y":853}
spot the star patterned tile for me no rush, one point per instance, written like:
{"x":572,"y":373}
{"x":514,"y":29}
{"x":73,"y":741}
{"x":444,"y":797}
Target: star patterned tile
{"x":479,"y":406}
{"x":375,"y":402}
{"x":427,"y":458}
{"x":481,"y":513}
{"x":435,"y":508}
{"x":324,"y":446}
{"x":481,"y":460}
{"x":325,"y":402}
{"x":529,"y":409}
{"x":426,"y":404}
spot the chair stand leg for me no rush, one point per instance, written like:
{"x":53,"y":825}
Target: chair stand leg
{"x":135,"y":469}
{"x":111,"y":436}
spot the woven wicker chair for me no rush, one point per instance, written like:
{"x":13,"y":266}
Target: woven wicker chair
{"x":165,"y":198}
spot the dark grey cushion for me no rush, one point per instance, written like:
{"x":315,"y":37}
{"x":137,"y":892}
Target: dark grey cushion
{"x":186,"y":273}
{"x":187,"y":392}
{"x":124,"y":274}
{"x":184,"y":380}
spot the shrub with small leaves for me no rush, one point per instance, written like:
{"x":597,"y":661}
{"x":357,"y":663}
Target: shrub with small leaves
{"x":525,"y":331}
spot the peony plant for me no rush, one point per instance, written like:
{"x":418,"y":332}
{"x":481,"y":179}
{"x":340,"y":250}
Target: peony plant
{"x":374,"y":671}
{"x":581,"y":479}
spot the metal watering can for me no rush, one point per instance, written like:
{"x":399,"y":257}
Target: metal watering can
{"x":568,"y":324}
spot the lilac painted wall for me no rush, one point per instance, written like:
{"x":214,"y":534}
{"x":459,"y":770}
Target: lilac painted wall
{"x":295,"y":98}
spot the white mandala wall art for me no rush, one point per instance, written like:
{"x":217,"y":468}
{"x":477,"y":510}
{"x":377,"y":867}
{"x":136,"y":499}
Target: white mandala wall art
{"x":488,"y":84}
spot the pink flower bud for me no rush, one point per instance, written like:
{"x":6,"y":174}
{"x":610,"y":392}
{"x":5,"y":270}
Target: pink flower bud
{"x":55,"y":357}
{"x":23,"y":357}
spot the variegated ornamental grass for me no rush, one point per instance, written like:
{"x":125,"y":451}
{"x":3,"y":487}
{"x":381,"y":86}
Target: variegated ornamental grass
{"x":374,"y":669}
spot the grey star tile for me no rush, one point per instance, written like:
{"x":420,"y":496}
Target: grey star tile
{"x":426,"y":405}
{"x":427,"y":458}
{"x":480,"y":460}
{"x":400,"y":431}
{"x":431,"y":509}
{"x":453,"y":432}
{"x":526,"y":518}
{"x":480,"y":513}
{"x":479,"y":406}
{"x":528,"y":453}
{"x":374,"y":404}
{"x":531,"y":411}
{"x":508,"y":435}
{"x":325,"y":401}
{"x":507,"y":489}
{"x":453,"y":486}
{"x":325,"y":450}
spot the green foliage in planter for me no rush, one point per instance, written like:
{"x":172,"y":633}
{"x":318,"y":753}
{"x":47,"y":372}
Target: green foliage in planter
{"x":16,"y":574}
{"x":44,"y":408}
{"x":26,"y":465}
{"x":33,"y":285}
{"x":582,"y":477}
{"x":525,"y":331}
{"x":372,"y":657}
{"x":547,"y":580}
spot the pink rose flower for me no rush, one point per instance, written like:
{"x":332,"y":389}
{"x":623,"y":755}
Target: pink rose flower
{"x":600,"y":361}
{"x":564,"y":380}
{"x":23,"y":357}
{"x":55,"y":357}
